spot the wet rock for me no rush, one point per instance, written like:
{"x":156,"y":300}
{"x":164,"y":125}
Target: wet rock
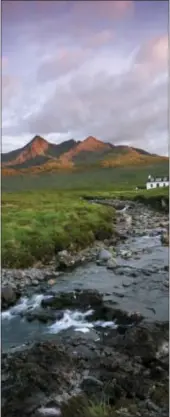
{"x":166,"y":268}
{"x":166,"y":283}
{"x":51,"y":282}
{"x":121,"y":235}
{"x":77,"y":299}
{"x":144,"y":341}
{"x":151,"y":406}
{"x":41,"y":370}
{"x":90,"y":385}
{"x":126,"y":254}
{"x":41,"y":315}
{"x":35,"y":282}
{"x":104,"y":256}
{"x":8,"y":296}
{"x":165,"y":239}
{"x":128,"y":220}
{"x":111,"y":263}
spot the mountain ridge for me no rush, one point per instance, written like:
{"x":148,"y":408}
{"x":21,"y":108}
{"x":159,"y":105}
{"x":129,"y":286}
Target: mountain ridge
{"x":40,"y":155}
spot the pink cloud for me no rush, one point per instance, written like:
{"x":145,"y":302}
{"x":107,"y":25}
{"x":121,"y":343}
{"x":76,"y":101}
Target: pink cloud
{"x":105,"y":8}
{"x":4,"y":62}
{"x":10,"y":88}
{"x":100,"y":38}
{"x":63,"y":61}
{"x":153,"y":57}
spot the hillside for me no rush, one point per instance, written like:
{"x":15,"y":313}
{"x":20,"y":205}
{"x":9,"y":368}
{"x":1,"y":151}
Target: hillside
{"x":41,"y":156}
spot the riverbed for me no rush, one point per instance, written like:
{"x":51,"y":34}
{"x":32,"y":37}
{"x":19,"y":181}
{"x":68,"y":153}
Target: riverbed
{"x":139,"y":284}
{"x":96,"y":335}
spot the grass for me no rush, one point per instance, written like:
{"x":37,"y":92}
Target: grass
{"x":36,"y":225}
{"x":129,"y":194}
{"x":81,"y":406}
{"x":122,"y":178}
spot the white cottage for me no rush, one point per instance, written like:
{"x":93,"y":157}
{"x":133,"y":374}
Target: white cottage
{"x":157,"y":182}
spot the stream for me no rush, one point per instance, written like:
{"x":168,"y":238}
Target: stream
{"x":96,"y":335}
{"x":140,"y":284}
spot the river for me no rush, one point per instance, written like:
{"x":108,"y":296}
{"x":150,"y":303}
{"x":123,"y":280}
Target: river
{"x":140,"y":284}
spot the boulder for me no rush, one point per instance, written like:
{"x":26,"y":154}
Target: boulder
{"x":8,"y":295}
{"x":111,"y":263}
{"x":126,"y":254}
{"x":165,"y":239}
{"x":42,"y":316}
{"x":77,"y":299}
{"x":64,"y":260}
{"x":128,"y":219}
{"x":103,"y":256}
{"x":90,"y":384}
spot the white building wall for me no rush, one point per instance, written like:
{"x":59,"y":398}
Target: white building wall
{"x":150,"y":185}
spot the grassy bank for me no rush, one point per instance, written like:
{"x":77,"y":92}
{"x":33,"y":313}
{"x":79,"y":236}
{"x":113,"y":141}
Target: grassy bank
{"x":36,"y":225}
{"x":152,"y":197}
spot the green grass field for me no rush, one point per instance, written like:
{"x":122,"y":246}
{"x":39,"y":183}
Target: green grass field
{"x":37,"y":224}
{"x":44,"y":214}
{"x":121,"y":178}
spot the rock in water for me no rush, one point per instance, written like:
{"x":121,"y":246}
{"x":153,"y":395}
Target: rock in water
{"x":8,"y":295}
{"x":111,"y":263}
{"x":128,"y":219}
{"x":104,"y":255}
{"x":165,"y":238}
{"x":126,"y":254}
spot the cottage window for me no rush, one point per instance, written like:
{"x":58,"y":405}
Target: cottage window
{"x":164,"y":185}
{"x":157,"y":185}
{"x":151,"y":185}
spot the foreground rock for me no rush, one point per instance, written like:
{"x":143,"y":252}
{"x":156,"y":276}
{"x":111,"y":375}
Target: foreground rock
{"x":127,"y":371}
{"x":165,"y":238}
{"x":77,"y":299}
{"x":9,"y":296}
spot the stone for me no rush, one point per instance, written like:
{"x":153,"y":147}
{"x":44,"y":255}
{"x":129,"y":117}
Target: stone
{"x":48,"y":411}
{"x":128,"y":220}
{"x":8,"y":295}
{"x":104,"y":255}
{"x":151,"y":406}
{"x":126,"y":254}
{"x":51,"y":282}
{"x":166,"y":268}
{"x":76,"y":299}
{"x":91,"y":384}
{"x":64,"y":260}
{"x":111,"y":263}
{"x":35,"y":282}
{"x":165,"y":239}
{"x":42,"y":316}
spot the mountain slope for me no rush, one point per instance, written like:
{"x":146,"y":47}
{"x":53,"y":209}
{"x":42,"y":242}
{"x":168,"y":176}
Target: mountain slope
{"x":36,"y":147}
{"x":39,"y":155}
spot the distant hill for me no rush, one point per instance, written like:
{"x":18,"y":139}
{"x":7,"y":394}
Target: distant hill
{"x":40,"y":156}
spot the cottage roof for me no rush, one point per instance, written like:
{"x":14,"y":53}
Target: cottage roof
{"x":158,"y":179}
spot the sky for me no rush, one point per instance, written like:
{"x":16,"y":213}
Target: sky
{"x":71,"y":69}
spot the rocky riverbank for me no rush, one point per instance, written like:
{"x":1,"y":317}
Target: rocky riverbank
{"x":94,"y":357}
{"x":133,"y":219}
{"x":125,"y":372}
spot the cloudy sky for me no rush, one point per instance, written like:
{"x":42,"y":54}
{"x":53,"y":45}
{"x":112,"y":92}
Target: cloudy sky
{"x":71,"y":69}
